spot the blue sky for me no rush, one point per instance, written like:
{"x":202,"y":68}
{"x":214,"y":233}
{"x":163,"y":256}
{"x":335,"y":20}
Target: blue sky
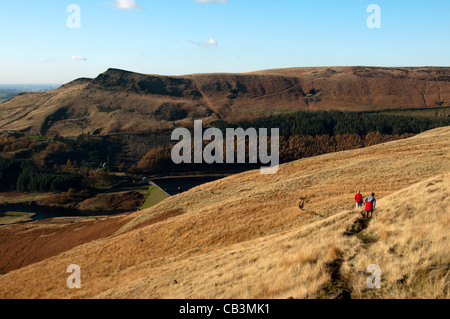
{"x":175,"y":37}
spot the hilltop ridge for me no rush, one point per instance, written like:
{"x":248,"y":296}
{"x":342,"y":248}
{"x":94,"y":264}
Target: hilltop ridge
{"x":119,"y":101}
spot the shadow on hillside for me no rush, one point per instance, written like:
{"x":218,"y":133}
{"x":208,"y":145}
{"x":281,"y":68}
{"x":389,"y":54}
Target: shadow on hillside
{"x":358,"y":226}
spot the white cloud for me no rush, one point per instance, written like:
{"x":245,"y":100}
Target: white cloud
{"x":78,"y":58}
{"x":209,"y":43}
{"x":127,"y":5}
{"x":212,"y":42}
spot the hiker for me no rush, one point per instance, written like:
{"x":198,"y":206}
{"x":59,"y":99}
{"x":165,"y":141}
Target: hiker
{"x":358,"y":199}
{"x":370,"y":205}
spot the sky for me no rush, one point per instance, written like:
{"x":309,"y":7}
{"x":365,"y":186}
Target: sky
{"x":57,"y":41}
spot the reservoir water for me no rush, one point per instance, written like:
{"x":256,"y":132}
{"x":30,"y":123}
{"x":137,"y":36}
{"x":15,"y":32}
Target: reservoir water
{"x":44,"y":212}
{"x":172,"y":185}
{"x":176,"y":185}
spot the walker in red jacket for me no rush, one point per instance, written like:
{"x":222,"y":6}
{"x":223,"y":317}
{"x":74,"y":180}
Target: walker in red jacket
{"x":370,"y":204}
{"x":358,"y":199}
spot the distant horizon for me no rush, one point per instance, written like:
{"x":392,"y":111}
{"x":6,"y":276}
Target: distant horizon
{"x":34,"y":84}
{"x":27,"y":87}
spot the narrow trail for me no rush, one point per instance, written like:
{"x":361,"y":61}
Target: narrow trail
{"x":277,"y":93}
{"x":339,"y":287}
{"x":207,"y":101}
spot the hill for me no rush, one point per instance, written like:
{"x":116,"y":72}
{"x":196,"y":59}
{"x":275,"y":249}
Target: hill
{"x":119,"y":101}
{"x":246,"y":236}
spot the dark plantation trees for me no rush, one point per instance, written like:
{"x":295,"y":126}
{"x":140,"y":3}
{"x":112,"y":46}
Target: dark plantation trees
{"x":57,"y":164}
{"x":339,"y":123}
{"x":294,"y":147}
{"x":30,"y":180}
{"x":306,"y":134}
{"x":33,"y":164}
{"x":9,"y":171}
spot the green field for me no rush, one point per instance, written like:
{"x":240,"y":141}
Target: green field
{"x":6,"y":96}
{"x":155,"y":196}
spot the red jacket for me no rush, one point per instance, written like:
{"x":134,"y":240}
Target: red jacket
{"x":358,"y":198}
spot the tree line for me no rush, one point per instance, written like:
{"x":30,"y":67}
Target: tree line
{"x":24,"y":177}
{"x":40,"y":165}
{"x":306,"y":134}
{"x":158,"y":160}
{"x":339,"y":123}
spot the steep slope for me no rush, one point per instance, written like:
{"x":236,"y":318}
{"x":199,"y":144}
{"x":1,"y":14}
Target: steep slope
{"x":408,"y":240}
{"x":119,"y":101}
{"x":246,"y":237}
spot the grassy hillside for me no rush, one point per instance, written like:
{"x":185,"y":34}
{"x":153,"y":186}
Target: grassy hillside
{"x":119,"y":101}
{"x":245,"y":236}
{"x":409,"y":240}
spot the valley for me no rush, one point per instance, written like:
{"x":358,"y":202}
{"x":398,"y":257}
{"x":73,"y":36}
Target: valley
{"x":97,"y":153}
{"x":245,"y":236}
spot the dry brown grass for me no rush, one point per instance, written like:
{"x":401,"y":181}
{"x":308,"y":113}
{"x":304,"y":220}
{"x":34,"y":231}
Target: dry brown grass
{"x":113,"y":102}
{"x":245,"y":237}
{"x":413,"y":244}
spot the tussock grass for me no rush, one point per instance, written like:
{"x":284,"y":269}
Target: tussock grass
{"x":412,"y":244}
